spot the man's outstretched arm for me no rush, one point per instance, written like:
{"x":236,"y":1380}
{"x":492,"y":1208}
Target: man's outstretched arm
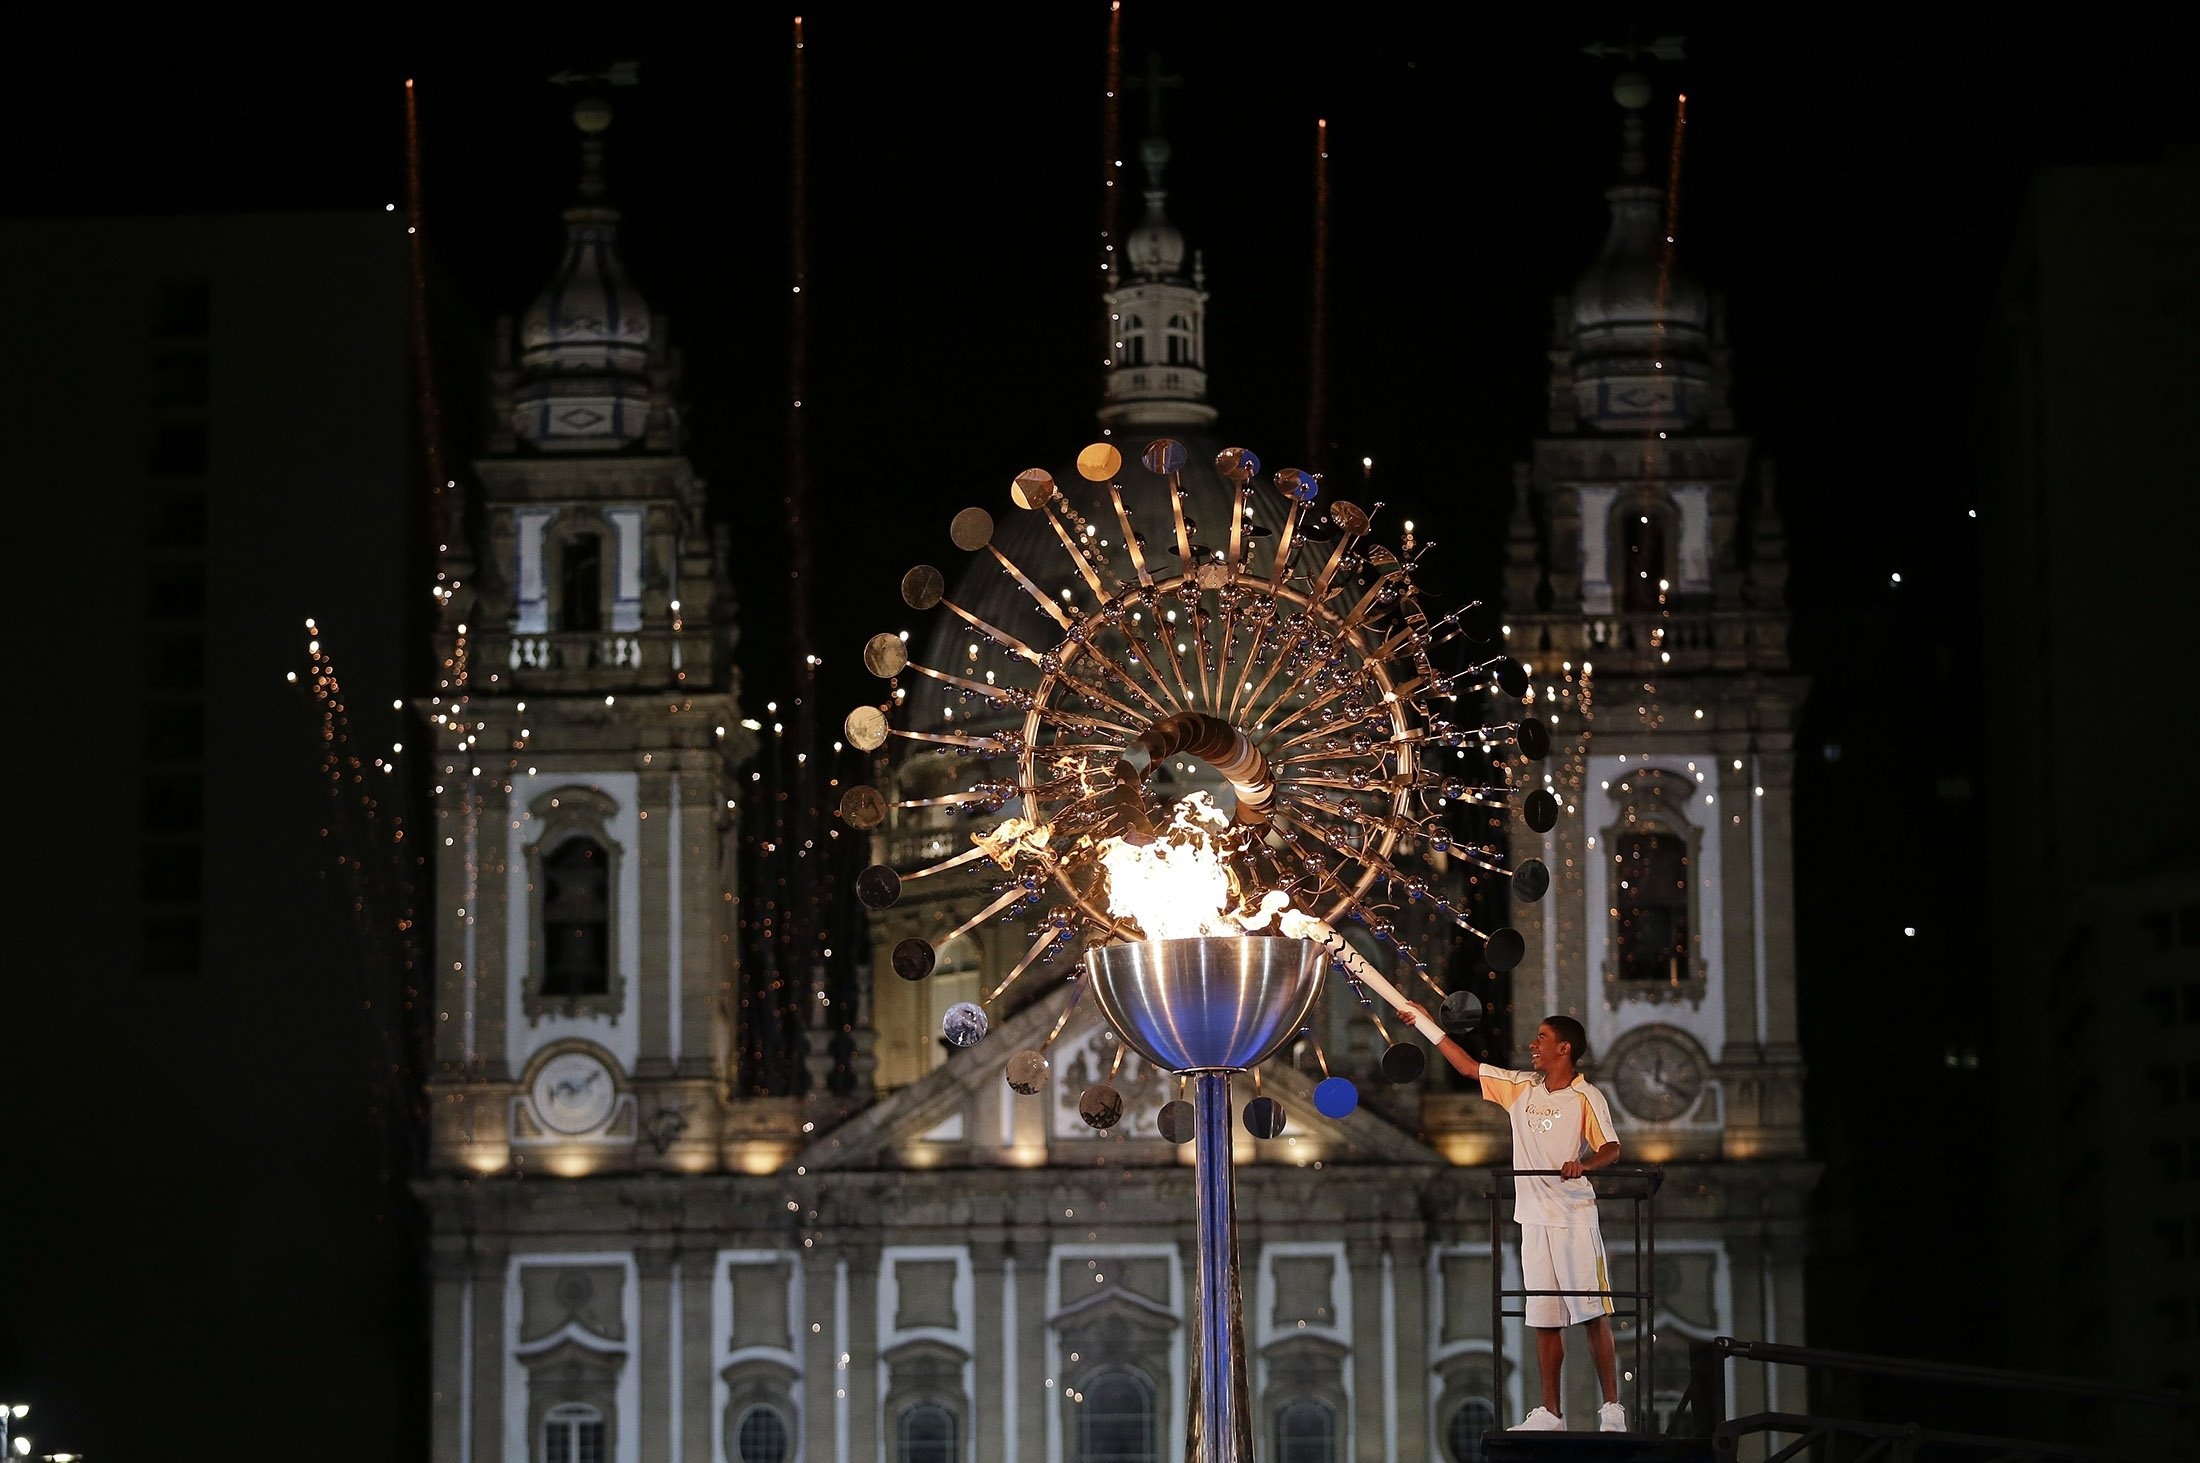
{"x":1452,"y":1051}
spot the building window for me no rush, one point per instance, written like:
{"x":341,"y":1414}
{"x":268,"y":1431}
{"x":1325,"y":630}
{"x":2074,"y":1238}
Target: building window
{"x":576,"y":919}
{"x":761,"y":1436}
{"x":1179,"y":332}
{"x":1469,"y":1426}
{"x":1134,"y":341}
{"x":1650,"y":898}
{"x":572,"y":1433}
{"x":1642,"y":563}
{"x":925,"y":1434}
{"x":1115,"y":1422}
{"x":580,"y":584}
{"x":1306,"y":1432}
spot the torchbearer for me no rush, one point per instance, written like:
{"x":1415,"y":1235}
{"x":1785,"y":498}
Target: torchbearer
{"x":1557,"y":1117}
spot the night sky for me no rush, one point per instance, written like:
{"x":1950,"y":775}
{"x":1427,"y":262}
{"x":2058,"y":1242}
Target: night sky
{"x":1851,"y":184}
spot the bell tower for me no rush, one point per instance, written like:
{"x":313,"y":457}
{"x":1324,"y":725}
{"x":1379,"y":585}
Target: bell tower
{"x":1645,"y":595}
{"x":586,"y":730}
{"x":1157,"y":310}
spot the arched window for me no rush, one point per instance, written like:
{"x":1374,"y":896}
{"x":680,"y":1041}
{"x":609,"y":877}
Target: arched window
{"x":925,"y":1434}
{"x":1179,"y":333}
{"x":1306,"y":1432}
{"x":1650,"y":901}
{"x":760,"y":1436}
{"x":1134,"y":341}
{"x":580,"y":583}
{"x":572,"y":1432}
{"x":1642,"y":565}
{"x":1474,"y":1420}
{"x":1115,"y":1422}
{"x":576,"y":919}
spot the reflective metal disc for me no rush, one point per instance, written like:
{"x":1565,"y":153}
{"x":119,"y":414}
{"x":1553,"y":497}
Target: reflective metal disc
{"x":865,"y":728}
{"x":1027,"y":1072}
{"x":1101,"y":1106}
{"x":1533,"y":738}
{"x":878,"y":887}
{"x":972,"y":530}
{"x":1033,"y":488}
{"x":1297,"y":482}
{"x":1504,"y":948}
{"x":1163,"y":456}
{"x":1531,"y":881}
{"x":863,"y":807}
{"x":923,"y":587}
{"x":1336,"y":1097}
{"x":1403,"y":1062}
{"x":1177,"y":1122}
{"x":1461,"y":1011}
{"x":964,"y":1024}
{"x":1512,"y":678}
{"x":913,"y":959}
{"x":1350,"y":517}
{"x":1540,"y":809}
{"x":884,"y":655}
{"x":1264,"y":1117}
{"x":1099,"y":462}
{"x":1238,"y":464}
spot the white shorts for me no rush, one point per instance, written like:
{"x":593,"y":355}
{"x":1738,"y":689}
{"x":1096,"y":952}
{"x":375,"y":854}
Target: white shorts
{"x":1571,"y":1257}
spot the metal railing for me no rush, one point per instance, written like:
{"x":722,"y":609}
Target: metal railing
{"x":1642,"y":1181}
{"x":1702,"y":1409}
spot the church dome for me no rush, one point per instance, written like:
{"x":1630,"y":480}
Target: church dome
{"x":1640,"y":344}
{"x":1155,"y":249}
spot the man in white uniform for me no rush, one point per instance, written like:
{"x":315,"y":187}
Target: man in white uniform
{"x":1557,"y":1118}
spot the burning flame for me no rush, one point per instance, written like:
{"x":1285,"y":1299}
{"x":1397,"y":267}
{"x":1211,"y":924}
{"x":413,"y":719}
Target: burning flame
{"x":1181,"y":886}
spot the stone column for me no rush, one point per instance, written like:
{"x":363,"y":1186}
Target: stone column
{"x":698,"y":1362}
{"x":860,"y":1376}
{"x":449,"y":926}
{"x":1031,"y":1251}
{"x":1407,"y":1248}
{"x":652,"y":1351}
{"x":987,"y":1409}
{"x":489,"y":1267}
{"x":492,"y":918}
{"x":701,"y":915}
{"x":820,"y":1373}
{"x":1737,"y":889}
{"x":448,"y":1266}
{"x":652,"y":982}
{"x":1363,"y":1253}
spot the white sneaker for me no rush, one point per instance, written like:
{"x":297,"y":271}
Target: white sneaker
{"x":1539,"y":1421}
{"x":1612,"y":1418}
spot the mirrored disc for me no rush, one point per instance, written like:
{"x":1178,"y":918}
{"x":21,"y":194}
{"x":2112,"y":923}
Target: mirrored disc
{"x":1176,"y":1121}
{"x":1033,"y":488}
{"x":913,"y":959}
{"x":1403,"y":1062}
{"x":884,"y":654}
{"x":1480,"y":622}
{"x":878,"y":887}
{"x":1163,"y":456}
{"x":964,"y":1024}
{"x":1533,"y":738}
{"x":1336,"y":1097}
{"x":1531,"y":881}
{"x":1099,"y":462}
{"x":1540,"y":809}
{"x":1027,"y":1071}
{"x":1350,"y":517}
{"x":1512,"y":678}
{"x":1461,"y":1011}
{"x":865,"y":728}
{"x":863,"y":807}
{"x":1101,"y":1106}
{"x":1237,"y":464}
{"x":1504,"y":948}
{"x":972,"y":530}
{"x":923,"y":587}
{"x":1264,"y":1118}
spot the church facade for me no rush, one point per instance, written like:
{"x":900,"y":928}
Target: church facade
{"x":637,"y":1260}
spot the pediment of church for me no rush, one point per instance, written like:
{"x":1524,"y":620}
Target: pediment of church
{"x":964,"y":1114}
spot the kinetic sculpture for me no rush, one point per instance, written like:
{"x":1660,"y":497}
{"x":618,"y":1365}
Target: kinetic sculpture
{"x":1304,"y":673}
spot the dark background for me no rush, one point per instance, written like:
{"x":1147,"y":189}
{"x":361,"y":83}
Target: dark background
{"x":1852,"y":182}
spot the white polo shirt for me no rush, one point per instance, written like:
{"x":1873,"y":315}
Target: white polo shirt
{"x":1551,"y":1129}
